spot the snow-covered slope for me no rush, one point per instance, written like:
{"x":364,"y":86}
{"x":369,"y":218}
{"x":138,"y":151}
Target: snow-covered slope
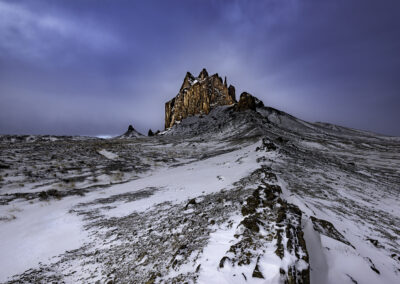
{"x":232,"y":197}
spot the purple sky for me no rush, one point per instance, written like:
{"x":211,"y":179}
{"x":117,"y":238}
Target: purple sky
{"x":93,"y":67}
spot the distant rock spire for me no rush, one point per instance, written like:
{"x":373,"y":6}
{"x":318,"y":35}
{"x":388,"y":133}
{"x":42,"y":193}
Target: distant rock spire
{"x":232,"y":93}
{"x":225,"y":82}
{"x":130,"y":133}
{"x":203,"y":74}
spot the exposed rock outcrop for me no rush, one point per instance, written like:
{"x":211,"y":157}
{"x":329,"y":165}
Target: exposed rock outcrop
{"x":198,"y":95}
{"x":248,"y":101}
{"x":131,"y":133}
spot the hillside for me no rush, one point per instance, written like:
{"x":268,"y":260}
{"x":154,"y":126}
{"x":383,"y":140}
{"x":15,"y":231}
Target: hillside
{"x":242,"y":194}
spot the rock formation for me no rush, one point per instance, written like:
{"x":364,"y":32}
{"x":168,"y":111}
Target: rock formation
{"x":131,"y":133}
{"x":198,"y":95}
{"x":248,"y":101}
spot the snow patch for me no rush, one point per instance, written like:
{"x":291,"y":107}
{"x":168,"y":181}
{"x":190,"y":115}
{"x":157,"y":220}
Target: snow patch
{"x":109,"y":155}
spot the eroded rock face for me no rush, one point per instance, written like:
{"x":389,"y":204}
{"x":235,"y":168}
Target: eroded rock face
{"x":198,"y":95}
{"x":248,"y":101}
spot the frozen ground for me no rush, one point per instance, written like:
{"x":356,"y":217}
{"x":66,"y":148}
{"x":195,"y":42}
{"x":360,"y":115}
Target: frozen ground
{"x":252,"y":197}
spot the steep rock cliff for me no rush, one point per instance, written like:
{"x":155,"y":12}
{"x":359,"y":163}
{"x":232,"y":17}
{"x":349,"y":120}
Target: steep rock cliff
{"x":198,"y":95}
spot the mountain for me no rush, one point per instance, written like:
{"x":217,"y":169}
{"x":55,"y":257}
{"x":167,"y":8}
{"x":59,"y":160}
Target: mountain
{"x":131,"y":133}
{"x":198,"y":95}
{"x":235,"y":192}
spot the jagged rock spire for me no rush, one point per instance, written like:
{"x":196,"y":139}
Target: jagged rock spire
{"x":231,"y":92}
{"x":198,"y":96}
{"x":203,"y":74}
{"x":131,"y":132}
{"x":189,"y":76}
{"x":187,"y":82}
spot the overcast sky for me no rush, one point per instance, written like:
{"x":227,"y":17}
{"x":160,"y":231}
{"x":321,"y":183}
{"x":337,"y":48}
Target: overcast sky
{"x":93,"y":67}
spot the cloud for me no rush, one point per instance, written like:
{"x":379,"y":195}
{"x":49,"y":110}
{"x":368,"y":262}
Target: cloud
{"x":116,"y":62}
{"x":39,"y":34}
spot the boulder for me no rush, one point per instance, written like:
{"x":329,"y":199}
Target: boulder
{"x":246,"y":102}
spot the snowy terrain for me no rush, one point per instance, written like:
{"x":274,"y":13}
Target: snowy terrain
{"x":232,"y":197}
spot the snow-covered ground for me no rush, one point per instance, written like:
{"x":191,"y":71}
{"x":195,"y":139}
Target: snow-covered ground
{"x":36,"y":233}
{"x":253,"y":197}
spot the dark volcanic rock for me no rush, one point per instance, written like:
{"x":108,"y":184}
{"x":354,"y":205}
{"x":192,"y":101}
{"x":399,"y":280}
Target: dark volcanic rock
{"x":131,"y":133}
{"x":231,"y":92}
{"x":248,"y":101}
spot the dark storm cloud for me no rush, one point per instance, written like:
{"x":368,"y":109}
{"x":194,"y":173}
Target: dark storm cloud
{"x":93,"y":67}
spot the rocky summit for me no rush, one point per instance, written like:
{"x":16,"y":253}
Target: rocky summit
{"x":236,"y":192}
{"x":198,"y":95}
{"x":131,"y":133}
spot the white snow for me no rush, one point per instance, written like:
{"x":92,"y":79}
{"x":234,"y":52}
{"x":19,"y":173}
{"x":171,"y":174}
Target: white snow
{"x":219,"y":243}
{"x":42,"y":230}
{"x":39,"y":232}
{"x":356,"y":200}
{"x":188,"y":181}
{"x":108,"y":154}
{"x":105,"y":136}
